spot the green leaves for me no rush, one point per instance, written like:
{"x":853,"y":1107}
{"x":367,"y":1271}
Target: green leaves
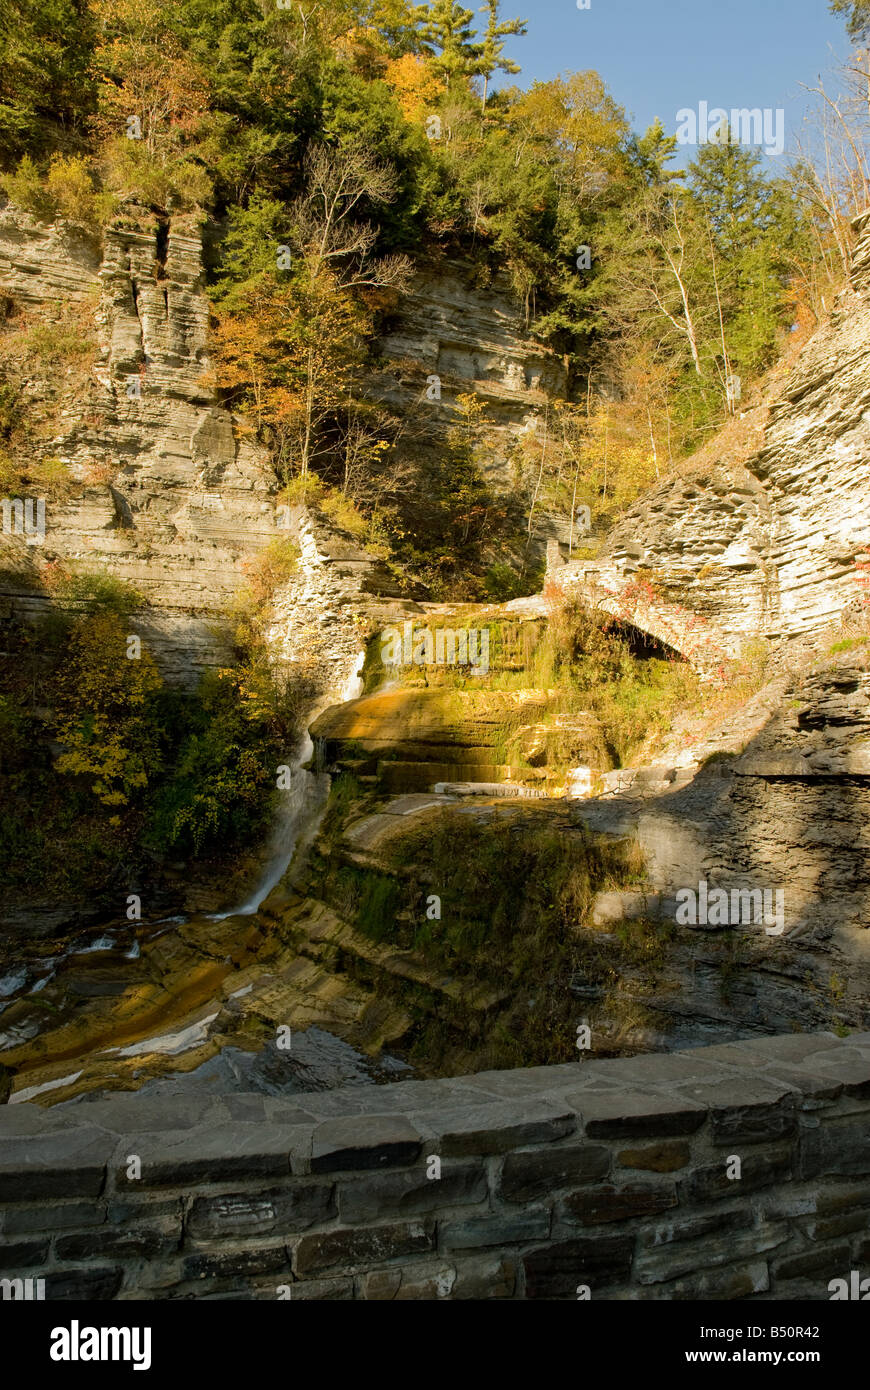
{"x":46,"y":93}
{"x":857,"y":14}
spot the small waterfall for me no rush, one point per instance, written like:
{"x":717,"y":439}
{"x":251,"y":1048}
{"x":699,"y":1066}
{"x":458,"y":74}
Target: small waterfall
{"x":299,"y":809}
{"x":353,"y":686}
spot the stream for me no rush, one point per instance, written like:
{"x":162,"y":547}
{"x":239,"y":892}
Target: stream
{"x":118,"y":1002}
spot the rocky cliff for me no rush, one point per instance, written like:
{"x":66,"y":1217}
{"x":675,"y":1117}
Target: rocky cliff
{"x":166,"y":489}
{"x":165,"y":492}
{"x":456,"y":334}
{"x":767,"y":547}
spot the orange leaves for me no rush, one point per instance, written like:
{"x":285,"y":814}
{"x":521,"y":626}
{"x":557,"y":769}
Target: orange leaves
{"x":153,"y":99}
{"x":415,"y":85}
{"x":287,"y":355}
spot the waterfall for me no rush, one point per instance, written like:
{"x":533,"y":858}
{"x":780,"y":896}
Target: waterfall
{"x":353,"y":686}
{"x":300,"y":808}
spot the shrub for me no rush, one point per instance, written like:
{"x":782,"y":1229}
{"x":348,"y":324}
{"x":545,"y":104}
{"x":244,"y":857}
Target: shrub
{"x":51,"y":475}
{"x":271,"y":568}
{"x":379,"y":901}
{"x":131,"y":172}
{"x":10,"y":475}
{"x":342,"y":512}
{"x":301,"y":491}
{"x":99,"y":473}
{"x":70,"y":187}
{"x":59,"y":341}
{"x":27,"y":189}
{"x":66,"y":191}
{"x":502,"y":583}
{"x":97,"y":592}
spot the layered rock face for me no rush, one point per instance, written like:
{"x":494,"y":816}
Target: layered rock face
{"x":786,"y":813}
{"x":768,"y":548}
{"x":453,"y":335}
{"x":414,"y":739}
{"x":473,"y":338}
{"x":321,"y":615}
{"x":171,"y":495}
{"x":181,"y":497}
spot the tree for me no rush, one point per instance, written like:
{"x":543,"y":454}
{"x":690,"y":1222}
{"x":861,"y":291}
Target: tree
{"x":339,"y":184}
{"x":102,"y":702}
{"x":290,"y":343}
{"x":414,"y":83}
{"x":446,"y":26}
{"x":577,"y":127}
{"x":287,"y":356}
{"x":492,"y":49}
{"x":152,"y":103}
{"x":753,"y":231}
{"x":46,"y":93}
{"x":663,"y":265}
{"x":857,"y":14}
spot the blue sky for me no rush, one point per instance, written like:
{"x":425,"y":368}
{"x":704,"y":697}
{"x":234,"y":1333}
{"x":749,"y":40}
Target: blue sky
{"x":657,"y":56}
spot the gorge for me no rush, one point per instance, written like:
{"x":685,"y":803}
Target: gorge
{"x":434,"y":719}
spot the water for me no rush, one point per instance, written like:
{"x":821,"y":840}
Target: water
{"x":323,"y":1060}
{"x":102,"y":943}
{"x":300,"y":807}
{"x":9,"y":984}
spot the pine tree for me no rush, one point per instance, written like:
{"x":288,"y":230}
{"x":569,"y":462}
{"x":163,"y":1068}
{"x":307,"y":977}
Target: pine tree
{"x":857,"y":14}
{"x":752,"y":228}
{"x":46,"y":93}
{"x":447,"y":27}
{"x":651,"y":153}
{"x":492,"y":49}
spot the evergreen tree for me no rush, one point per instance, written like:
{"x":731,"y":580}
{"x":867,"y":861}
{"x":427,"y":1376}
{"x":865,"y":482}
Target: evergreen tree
{"x":752,"y":228}
{"x":447,"y":27}
{"x":46,"y":93}
{"x":492,"y":49}
{"x":857,"y":14}
{"x":651,"y":153}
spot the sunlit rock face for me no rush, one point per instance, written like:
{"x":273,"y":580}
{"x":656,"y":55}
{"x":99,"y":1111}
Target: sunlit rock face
{"x":766,"y":548}
{"x":453,"y":335}
{"x":166,"y":494}
{"x":472,"y":337}
{"x":169,"y":491}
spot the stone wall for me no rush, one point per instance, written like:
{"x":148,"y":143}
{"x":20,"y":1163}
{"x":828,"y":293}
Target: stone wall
{"x":620,"y":1176}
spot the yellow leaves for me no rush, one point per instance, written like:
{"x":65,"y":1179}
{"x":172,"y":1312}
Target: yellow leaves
{"x":143,"y":73}
{"x":100,"y":699}
{"x":577,"y":116}
{"x":271,"y":567}
{"x":415,"y":84}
